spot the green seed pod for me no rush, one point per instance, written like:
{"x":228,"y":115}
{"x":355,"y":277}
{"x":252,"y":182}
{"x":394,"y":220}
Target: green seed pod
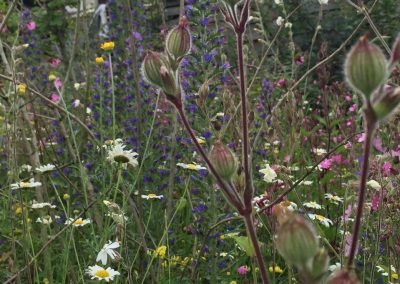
{"x":366,"y":67}
{"x":387,"y":104}
{"x":169,"y":83}
{"x":151,"y":67}
{"x":179,"y":40}
{"x":223,"y":160}
{"x":343,"y":276}
{"x":296,"y":241}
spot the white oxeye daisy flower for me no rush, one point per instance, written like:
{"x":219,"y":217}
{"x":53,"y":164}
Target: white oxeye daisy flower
{"x":36,"y":205}
{"x":23,"y":184}
{"x":323,"y":2}
{"x":312,"y":204}
{"x":78,"y":222}
{"x":335,"y":266}
{"x":152,"y":196}
{"x":46,"y":220}
{"x":334,"y":198}
{"x":118,"y":154}
{"x":278,"y":2}
{"x":107,"y":250}
{"x":45,"y":168}
{"x":27,"y":168}
{"x":98,"y":272}
{"x":323,"y":220}
{"x":193,"y":166}
{"x":269,"y":174}
{"x":76,"y":103}
{"x":319,"y":151}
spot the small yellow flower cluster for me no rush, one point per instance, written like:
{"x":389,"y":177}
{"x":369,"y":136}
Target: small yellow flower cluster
{"x":100,"y":60}
{"x":21,"y":88}
{"x":160,"y":252}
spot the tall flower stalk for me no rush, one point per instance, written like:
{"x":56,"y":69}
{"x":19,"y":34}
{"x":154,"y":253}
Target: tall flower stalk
{"x":162,"y":70}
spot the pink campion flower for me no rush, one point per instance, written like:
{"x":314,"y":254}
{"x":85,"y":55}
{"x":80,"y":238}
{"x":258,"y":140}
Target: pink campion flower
{"x":4,"y":29}
{"x":55,"y":98}
{"x":348,"y":145}
{"x":54,"y":62}
{"x":377,"y":143}
{"x":31,"y":26}
{"x":299,"y":59}
{"x":361,"y":138}
{"x":337,"y":159}
{"x":326,"y":164}
{"x":347,"y":98}
{"x":386,"y":168}
{"x":353,"y":108}
{"x":348,"y":244}
{"x":375,"y":202}
{"x":242,"y":270}
{"x":349,"y":122}
{"x":347,"y":212}
{"x":57,"y":83}
{"x":281,"y":83}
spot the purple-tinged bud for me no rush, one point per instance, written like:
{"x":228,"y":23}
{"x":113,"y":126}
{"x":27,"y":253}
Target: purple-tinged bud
{"x":179,"y":40}
{"x":387,"y":103}
{"x":366,"y":67}
{"x":151,"y":67}
{"x":169,"y":84}
{"x":343,"y":276}
{"x":395,"y":52}
{"x":296,"y":241}
{"x":223,"y":160}
{"x":320,"y":264}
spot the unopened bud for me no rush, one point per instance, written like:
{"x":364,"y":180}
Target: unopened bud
{"x":179,"y":40}
{"x":151,"y":67}
{"x":223,"y":160}
{"x":297,"y":241}
{"x":169,"y":84}
{"x":395,"y":51}
{"x":366,"y":67}
{"x":343,"y":276}
{"x":320,"y":264}
{"x":387,"y":103}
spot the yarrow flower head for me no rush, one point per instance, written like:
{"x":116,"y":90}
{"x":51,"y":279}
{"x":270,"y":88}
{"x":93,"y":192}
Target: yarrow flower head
{"x":99,"y":273}
{"x":107,"y":250}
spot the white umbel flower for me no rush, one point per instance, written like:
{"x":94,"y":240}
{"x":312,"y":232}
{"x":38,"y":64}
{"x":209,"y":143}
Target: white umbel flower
{"x":45,"y":168}
{"x":107,"y":250}
{"x":279,"y":21}
{"x":22,"y":184}
{"x":99,"y":273}
{"x":118,"y":154}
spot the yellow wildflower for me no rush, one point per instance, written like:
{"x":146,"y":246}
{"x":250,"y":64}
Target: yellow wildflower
{"x":18,"y":210}
{"x":21,"y":88}
{"x":161,"y":251}
{"x":51,"y":77}
{"x":275,"y":269}
{"x":108,"y":45}
{"x":99,"y":60}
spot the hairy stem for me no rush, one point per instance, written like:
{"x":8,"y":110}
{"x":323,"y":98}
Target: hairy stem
{"x":251,"y":232}
{"x":369,"y":132}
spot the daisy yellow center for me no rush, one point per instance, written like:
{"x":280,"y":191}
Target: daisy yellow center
{"x":192,"y":167}
{"x":319,"y":217}
{"x":79,"y":222}
{"x":102,"y":273}
{"x":152,"y":195}
{"x":24,"y":184}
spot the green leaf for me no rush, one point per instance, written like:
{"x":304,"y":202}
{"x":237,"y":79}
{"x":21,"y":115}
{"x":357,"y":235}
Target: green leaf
{"x":245,"y":244}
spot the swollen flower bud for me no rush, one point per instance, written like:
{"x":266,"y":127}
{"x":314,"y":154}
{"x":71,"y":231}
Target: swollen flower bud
{"x":320,"y":264}
{"x":223,"y":160}
{"x":387,"y":104}
{"x":366,"y":67}
{"x":296,"y":241}
{"x":169,"y":84}
{"x":343,"y":276}
{"x":395,"y":51}
{"x":179,"y":40}
{"x":156,"y":70}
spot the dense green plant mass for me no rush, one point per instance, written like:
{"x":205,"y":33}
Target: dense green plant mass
{"x":217,"y":142}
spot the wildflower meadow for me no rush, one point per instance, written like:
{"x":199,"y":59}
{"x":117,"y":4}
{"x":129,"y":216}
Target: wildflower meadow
{"x":200,"y":141}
